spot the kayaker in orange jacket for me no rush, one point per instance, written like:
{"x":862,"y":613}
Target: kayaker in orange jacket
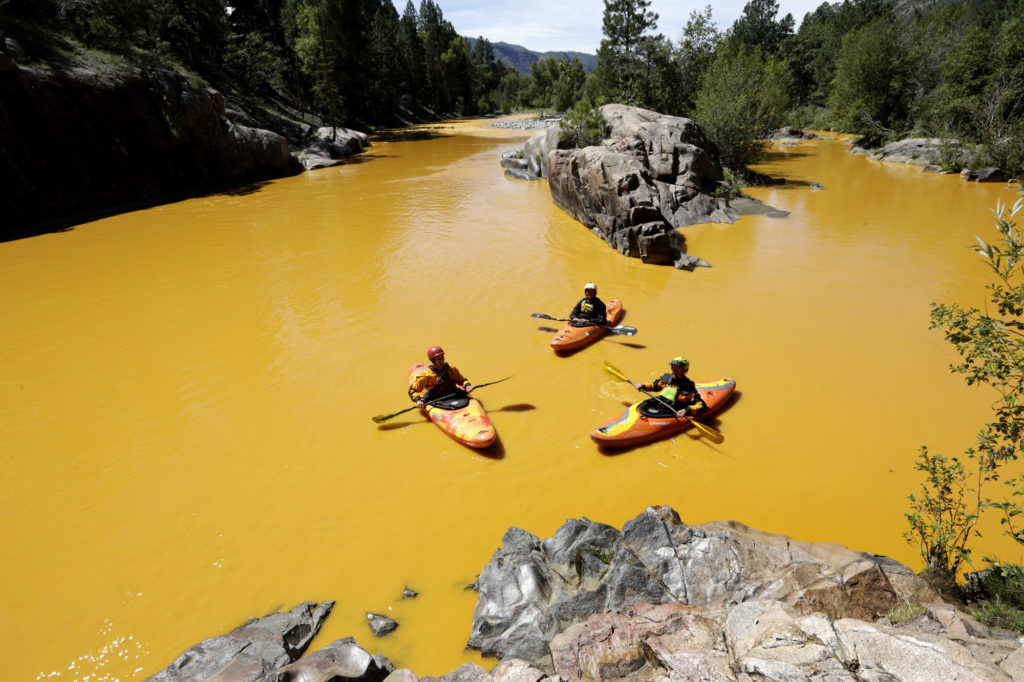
{"x":590,"y":310}
{"x":678,"y":389}
{"x":438,"y":380}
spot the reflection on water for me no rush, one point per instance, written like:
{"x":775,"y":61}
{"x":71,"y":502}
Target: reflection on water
{"x":186,"y":391}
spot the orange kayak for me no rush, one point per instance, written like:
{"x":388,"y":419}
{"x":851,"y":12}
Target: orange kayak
{"x":643,"y":422}
{"x":571,"y":338}
{"x":462,"y":417}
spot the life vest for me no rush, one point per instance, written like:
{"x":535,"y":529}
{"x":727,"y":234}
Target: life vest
{"x":669,"y":393}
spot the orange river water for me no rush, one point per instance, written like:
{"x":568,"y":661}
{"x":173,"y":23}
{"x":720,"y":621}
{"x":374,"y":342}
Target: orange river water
{"x":186,"y":391}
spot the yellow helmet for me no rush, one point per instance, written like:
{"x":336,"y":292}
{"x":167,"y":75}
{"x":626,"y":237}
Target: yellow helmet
{"x":680,"y":361}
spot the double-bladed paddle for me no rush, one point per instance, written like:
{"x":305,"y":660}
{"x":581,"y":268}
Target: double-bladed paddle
{"x":380,"y":418}
{"x":618,"y":329}
{"x":616,"y":373}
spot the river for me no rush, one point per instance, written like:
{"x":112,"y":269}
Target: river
{"x":186,"y":391}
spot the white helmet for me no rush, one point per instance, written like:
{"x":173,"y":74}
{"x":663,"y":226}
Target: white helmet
{"x":590,"y":285}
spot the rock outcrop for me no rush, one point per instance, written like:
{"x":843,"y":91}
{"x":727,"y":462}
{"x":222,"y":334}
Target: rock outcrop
{"x":330,"y":147}
{"x":82,"y":143}
{"x":532,"y":589}
{"x":79,"y":143}
{"x":251,"y":651}
{"x":768,"y":640}
{"x":791,"y":133}
{"x":658,"y":601}
{"x":652,"y":174}
{"x":661,"y":600}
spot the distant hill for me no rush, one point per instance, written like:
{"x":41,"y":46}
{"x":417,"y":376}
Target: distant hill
{"x":521,"y":58}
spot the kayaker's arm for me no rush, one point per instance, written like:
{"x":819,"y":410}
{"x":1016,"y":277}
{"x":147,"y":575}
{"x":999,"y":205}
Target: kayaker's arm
{"x":460,"y":380}
{"x":652,"y":386}
{"x":420,"y":388}
{"x":574,"y":316}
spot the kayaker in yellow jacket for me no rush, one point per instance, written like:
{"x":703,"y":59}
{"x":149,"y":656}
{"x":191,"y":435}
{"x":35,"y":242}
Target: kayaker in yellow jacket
{"x":678,"y":389}
{"x":590,"y":310}
{"x":438,"y":380}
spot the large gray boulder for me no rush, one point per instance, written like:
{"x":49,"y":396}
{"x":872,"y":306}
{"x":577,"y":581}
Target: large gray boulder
{"x":330,"y":147}
{"x":531,"y":590}
{"x":251,"y":651}
{"x":651,"y":174}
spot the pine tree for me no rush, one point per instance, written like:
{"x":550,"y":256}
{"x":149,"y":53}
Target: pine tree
{"x":620,"y":70}
{"x":757,"y":27}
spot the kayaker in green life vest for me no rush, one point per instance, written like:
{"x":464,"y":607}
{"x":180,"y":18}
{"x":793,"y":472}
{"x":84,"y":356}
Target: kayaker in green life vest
{"x":590,"y":310}
{"x":678,"y":389}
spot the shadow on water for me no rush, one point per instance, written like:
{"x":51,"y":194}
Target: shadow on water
{"x":243,"y":190}
{"x":68,"y":223}
{"x":405,"y":135}
{"x":627,"y":344}
{"x":494,"y":451}
{"x":517,"y":407}
{"x":391,"y":426}
{"x":782,"y":156}
{"x":794,"y":184}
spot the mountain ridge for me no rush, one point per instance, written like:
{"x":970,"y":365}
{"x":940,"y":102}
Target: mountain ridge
{"x":521,"y":57}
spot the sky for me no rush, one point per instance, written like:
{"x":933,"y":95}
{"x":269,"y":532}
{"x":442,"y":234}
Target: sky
{"x":575,"y":25}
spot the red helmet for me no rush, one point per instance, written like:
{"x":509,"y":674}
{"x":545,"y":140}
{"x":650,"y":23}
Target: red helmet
{"x":434,"y":351}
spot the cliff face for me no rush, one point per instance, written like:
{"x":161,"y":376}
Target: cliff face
{"x":80,"y":143}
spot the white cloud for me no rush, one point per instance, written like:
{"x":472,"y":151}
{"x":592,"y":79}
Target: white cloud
{"x":575,"y":25}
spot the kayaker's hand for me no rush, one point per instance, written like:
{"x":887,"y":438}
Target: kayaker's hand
{"x":419,"y":402}
{"x":683,"y":412}
{"x":468,"y":388}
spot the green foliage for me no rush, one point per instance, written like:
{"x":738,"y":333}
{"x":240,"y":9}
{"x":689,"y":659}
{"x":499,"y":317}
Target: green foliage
{"x":871,"y":85}
{"x":943,"y":69}
{"x":809,"y":116}
{"x":757,"y":28}
{"x":695,"y":55}
{"x":996,"y":596}
{"x":989,"y":343}
{"x":998,"y":614}
{"x":942,"y":517}
{"x":623,"y":67}
{"x":583,"y":125}
{"x":257,"y":63}
{"x":813,"y":52}
{"x":554,"y":83}
{"x":741,"y":99}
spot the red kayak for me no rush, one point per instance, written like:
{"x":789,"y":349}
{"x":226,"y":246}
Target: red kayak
{"x":462,"y":417}
{"x":571,"y":338}
{"x":650,"y":419}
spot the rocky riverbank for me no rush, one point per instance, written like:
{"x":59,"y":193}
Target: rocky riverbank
{"x":539,"y":122}
{"x":83,"y":142}
{"x":657,"y":600}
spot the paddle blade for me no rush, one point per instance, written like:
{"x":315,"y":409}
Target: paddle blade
{"x":708,"y":431}
{"x":543,"y":316}
{"x":614,"y":371}
{"x":623,"y":329}
{"x":388,"y":415}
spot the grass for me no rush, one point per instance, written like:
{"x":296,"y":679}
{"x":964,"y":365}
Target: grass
{"x":999,"y":614}
{"x":904,"y":611}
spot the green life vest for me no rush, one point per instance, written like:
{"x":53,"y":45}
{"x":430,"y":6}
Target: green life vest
{"x":669,"y":393}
